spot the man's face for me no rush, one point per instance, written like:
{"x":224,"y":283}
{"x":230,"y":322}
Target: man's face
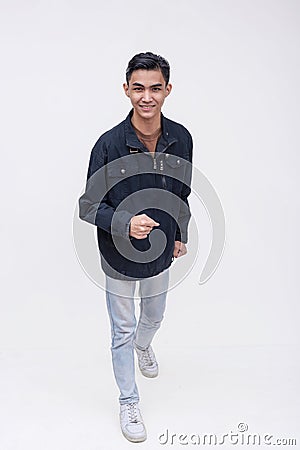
{"x":147,"y":91}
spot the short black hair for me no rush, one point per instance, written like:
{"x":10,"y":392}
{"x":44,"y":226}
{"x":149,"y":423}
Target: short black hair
{"x":148,"y":61}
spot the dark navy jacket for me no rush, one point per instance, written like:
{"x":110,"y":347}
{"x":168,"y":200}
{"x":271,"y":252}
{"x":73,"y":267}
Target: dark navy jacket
{"x":124,"y":179}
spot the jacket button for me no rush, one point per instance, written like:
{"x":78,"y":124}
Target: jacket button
{"x":123,"y":171}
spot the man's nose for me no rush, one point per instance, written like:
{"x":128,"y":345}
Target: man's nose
{"x":147,"y":96}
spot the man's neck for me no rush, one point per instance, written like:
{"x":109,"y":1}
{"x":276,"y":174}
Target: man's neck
{"x":146,"y":126}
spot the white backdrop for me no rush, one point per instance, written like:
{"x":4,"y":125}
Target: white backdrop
{"x":228,"y":349}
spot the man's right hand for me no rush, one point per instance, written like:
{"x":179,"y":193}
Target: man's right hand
{"x":140,"y":226}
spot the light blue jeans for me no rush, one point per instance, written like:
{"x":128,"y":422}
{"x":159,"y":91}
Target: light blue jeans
{"x":124,"y":332}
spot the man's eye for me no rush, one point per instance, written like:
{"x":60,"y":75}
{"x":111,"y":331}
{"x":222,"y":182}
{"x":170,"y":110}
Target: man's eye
{"x":137,"y":89}
{"x":156,"y":89}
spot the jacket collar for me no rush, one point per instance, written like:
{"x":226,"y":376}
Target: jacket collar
{"x":132,"y":139}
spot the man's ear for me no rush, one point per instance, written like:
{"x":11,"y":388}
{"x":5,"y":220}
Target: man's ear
{"x":125,"y":87}
{"x":168,"y":89}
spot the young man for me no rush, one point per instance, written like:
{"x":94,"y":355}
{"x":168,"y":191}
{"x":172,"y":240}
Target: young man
{"x":137,"y":187}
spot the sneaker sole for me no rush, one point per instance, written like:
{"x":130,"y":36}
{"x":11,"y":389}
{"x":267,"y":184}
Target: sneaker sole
{"x":134,"y":439}
{"x":149,"y":375}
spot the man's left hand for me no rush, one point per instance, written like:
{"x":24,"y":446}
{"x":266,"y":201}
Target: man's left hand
{"x":179,"y":249}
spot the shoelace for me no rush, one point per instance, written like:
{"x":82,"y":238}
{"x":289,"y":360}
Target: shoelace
{"x":148,"y":357}
{"x":133,"y":413}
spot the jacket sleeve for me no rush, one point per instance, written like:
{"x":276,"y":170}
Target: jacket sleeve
{"x":94,"y":206}
{"x":185,"y":213}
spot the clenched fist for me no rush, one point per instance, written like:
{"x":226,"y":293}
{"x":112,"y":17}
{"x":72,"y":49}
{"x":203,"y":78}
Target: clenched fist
{"x":140,"y":226}
{"x":179,"y":249}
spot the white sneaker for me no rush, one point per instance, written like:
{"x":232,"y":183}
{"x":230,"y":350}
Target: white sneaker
{"x":147,"y":362}
{"x":132,"y":425}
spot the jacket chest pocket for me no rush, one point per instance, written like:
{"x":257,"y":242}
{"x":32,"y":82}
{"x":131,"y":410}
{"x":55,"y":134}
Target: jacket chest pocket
{"x":175,"y":170}
{"x":121,"y":177}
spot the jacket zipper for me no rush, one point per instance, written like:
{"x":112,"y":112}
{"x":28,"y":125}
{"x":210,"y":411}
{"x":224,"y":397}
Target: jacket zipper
{"x":163,"y":178}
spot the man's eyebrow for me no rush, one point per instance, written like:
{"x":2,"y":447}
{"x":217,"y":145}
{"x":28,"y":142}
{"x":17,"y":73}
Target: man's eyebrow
{"x":152,"y":85}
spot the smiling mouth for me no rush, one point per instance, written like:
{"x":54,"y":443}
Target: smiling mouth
{"x":146,"y":107}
